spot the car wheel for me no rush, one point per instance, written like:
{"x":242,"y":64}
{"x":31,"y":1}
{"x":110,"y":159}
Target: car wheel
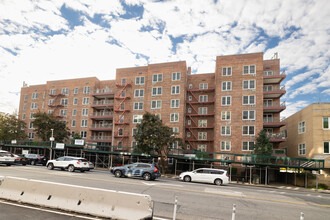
{"x":118,"y":173}
{"x":71,"y":168}
{"x":218,"y":182}
{"x":8,"y":164}
{"x":33,"y":162}
{"x":146,"y":176}
{"x":50,"y":166}
{"x":187,"y":178}
{"x":82,"y":171}
{"x":62,"y":169}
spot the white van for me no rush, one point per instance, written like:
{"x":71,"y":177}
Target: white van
{"x":206,"y":175}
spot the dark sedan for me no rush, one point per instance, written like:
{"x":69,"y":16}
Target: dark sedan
{"x":35,"y":159}
{"x":145,"y":170}
{"x":21,"y":159}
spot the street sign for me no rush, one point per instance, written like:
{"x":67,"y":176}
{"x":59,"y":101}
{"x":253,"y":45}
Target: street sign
{"x":78,"y":142}
{"x":59,"y":145}
{"x":13,"y":142}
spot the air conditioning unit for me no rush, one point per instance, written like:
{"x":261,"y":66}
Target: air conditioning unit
{"x":253,"y":105}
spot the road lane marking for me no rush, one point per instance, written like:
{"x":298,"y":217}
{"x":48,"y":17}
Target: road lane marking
{"x":192,"y":190}
{"x":47,"y":210}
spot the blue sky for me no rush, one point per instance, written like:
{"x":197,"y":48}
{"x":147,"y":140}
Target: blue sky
{"x":56,"y":39}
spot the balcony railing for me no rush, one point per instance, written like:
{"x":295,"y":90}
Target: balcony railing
{"x":101,"y":126}
{"x":282,"y":104}
{"x":274,"y":88}
{"x":274,"y":73}
{"x":97,"y":114}
{"x":101,"y":138}
{"x":276,"y":136}
{"x":101,"y":91}
{"x":103,"y":102}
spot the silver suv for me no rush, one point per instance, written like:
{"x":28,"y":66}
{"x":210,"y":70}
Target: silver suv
{"x":145,"y":170}
{"x":69,"y":163}
{"x":6,"y":158}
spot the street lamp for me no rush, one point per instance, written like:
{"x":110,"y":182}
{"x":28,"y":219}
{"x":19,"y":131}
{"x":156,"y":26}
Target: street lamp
{"x":51,"y":143}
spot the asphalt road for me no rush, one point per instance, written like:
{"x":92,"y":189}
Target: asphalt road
{"x":195,"y":200}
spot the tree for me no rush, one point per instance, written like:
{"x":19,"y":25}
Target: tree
{"x":263,"y":145}
{"x":76,"y":136}
{"x":153,"y":136}
{"x":43,"y":123}
{"x":12,"y":128}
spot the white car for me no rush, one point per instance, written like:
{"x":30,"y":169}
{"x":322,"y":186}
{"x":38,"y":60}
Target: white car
{"x":70,"y":163}
{"x":6,"y":158}
{"x":206,"y":175}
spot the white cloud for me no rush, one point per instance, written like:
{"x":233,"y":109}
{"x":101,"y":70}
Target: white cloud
{"x":293,"y":107}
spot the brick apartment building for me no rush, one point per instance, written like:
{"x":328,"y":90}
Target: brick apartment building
{"x":215,"y":112}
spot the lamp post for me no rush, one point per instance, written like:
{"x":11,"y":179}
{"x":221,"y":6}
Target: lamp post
{"x":51,"y":144}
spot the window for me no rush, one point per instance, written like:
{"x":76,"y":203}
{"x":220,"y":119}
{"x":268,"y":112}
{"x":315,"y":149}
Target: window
{"x":225,"y":130}
{"x":251,"y":69}
{"x":268,"y":118}
{"x":134,"y":131}
{"x":139,"y":80}
{"x":203,"y":86}
{"x":268,"y":73}
{"x":32,"y":116}
{"x":175,"y":90}
{"x":24,"y":107}
{"x":65,"y":91}
{"x":23,"y":117}
{"x":326,"y":149}
{"x":156,"y":104}
{"x":225,"y":115}
{"x":85,"y":101}
{"x":249,"y":84}
{"x":175,"y":130}
{"x":84,"y":112}
{"x":202,"y":123}
{"x":84,"y":123}
{"x":226,"y":86}
{"x":175,"y":103}
{"x":31,"y":125}
{"x":137,"y":118}
{"x":25,"y":98}
{"x":176,"y":76}
{"x":175,"y":145}
{"x":248,"y":115}
{"x":174,"y":117}
{"x":73,"y":123}
{"x":74,"y":112}
{"x":122,"y":106}
{"x":156,"y":91}
{"x":268,"y":102}
{"x":190,"y":86}
{"x":121,"y":119}
{"x":326,"y":123}
{"x":248,"y":100}
{"x":75,"y":91}
{"x":226,"y":100}
{"x":75,"y":101}
{"x":123,"y":93}
{"x":248,"y":130}
{"x":133,"y":144}
{"x":188,"y":134}
{"x":64,"y":102}
{"x":225,"y":145}
{"x":247,"y":146}
{"x":202,"y":135}
{"x":202,"y":111}
{"x":34,"y":95}
{"x":157,"y":77}
{"x":190,"y":98}
{"x":52,"y":92}
{"x":120,"y":132}
{"x":189,"y":122}
{"x":301,"y":127}
{"x":302,"y":149}
{"x":226,"y":71}
{"x":123,"y":81}
{"x":202,"y":147}
{"x":50,"y":112}
{"x":86,"y":89}
{"x":139,"y":93}
{"x":203,"y":98}
{"x":51,"y":102}
{"x":189,"y":110}
{"x":34,"y":105}
{"x":31,"y":135}
{"x":63,"y":112}
{"x":138,"y":105}
{"x":83,"y":134}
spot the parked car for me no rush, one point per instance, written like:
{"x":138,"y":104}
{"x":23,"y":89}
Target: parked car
{"x":69,"y":163}
{"x":6,"y":158}
{"x":21,"y":159}
{"x":205,"y":175}
{"x":145,"y":170}
{"x":35,"y":159}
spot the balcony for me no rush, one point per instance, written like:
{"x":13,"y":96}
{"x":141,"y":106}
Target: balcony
{"x":55,"y":105}
{"x":102,"y":116}
{"x":274,"y":92}
{"x":56,"y":95}
{"x":201,"y":90}
{"x":274,"y":77}
{"x":101,"y":127}
{"x":101,"y":104}
{"x":209,"y":127}
{"x":199,"y":115}
{"x":100,"y":138}
{"x":198,"y":140}
{"x":103,"y":93}
{"x":276,"y":138}
{"x":272,"y":123}
{"x":270,"y":108}
{"x":200,"y":102}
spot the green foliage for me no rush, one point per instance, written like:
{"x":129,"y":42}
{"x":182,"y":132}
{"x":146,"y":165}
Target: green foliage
{"x":323,"y":186}
{"x":153,"y":136}
{"x":12,"y":128}
{"x":43,"y":124}
{"x":263,"y":145}
{"x":76,"y":136}
{"x":202,"y":155}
